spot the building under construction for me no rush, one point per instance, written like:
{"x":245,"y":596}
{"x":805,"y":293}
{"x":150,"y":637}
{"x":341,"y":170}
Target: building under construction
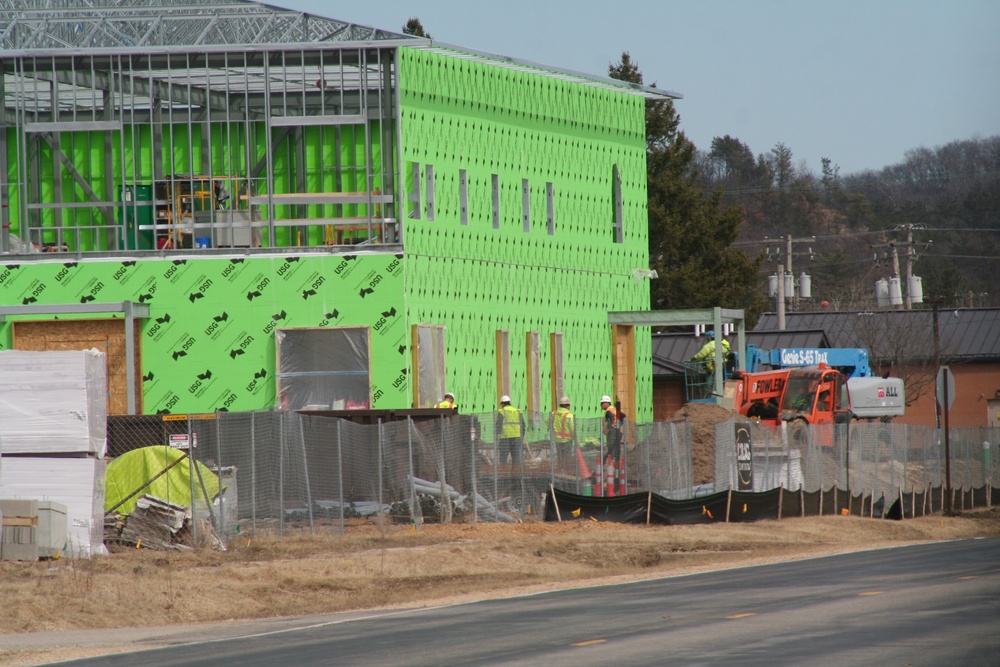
{"x":248,"y":207}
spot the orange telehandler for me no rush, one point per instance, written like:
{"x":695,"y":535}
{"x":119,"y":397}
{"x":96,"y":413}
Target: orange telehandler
{"x":810,"y":395}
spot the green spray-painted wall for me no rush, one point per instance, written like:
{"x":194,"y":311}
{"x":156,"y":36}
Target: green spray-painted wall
{"x":182,"y":153}
{"x":209,"y":341}
{"x":459,"y":114}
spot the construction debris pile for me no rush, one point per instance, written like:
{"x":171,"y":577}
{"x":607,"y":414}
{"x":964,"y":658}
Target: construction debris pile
{"x":442,"y":500}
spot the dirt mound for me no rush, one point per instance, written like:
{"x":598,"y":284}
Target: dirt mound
{"x":703,"y":417}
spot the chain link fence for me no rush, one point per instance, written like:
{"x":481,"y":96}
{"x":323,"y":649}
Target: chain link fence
{"x":286,"y":472}
{"x":871,"y":458}
{"x":290,"y":473}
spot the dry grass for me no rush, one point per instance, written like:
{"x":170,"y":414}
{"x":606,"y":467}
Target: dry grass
{"x":266,"y":577}
{"x":263,"y":576}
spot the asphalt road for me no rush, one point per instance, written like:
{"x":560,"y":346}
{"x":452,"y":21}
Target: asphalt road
{"x":935,"y":604}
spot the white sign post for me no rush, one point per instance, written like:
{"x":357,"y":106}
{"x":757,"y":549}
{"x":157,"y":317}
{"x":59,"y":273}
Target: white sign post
{"x":945,"y":397}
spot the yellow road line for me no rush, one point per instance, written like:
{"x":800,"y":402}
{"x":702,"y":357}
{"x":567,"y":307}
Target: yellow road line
{"x":589,"y":642}
{"x":742,"y":615}
{"x":871,"y":593}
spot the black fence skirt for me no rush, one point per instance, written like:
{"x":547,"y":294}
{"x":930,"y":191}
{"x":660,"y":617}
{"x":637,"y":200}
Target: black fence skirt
{"x":745,"y":506}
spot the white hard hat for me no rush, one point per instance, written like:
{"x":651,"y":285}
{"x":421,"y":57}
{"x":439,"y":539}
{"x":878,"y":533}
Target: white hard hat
{"x":564,"y":400}
{"x":505,"y":399}
{"x":605,"y":399}
{"x":448,"y":393}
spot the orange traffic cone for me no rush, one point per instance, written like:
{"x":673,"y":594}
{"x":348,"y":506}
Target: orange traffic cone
{"x":609,"y":478}
{"x":620,"y":473}
{"x":584,"y":471}
{"x":586,"y":488}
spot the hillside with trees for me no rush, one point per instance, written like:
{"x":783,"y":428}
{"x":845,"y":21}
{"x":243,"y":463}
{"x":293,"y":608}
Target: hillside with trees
{"x":939,"y":207}
{"x":720,"y":219}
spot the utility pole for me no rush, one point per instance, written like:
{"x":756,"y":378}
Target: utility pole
{"x":895,"y":270}
{"x":911,"y":256}
{"x":788,"y":242}
{"x":781,"y":297}
{"x":909,"y":266}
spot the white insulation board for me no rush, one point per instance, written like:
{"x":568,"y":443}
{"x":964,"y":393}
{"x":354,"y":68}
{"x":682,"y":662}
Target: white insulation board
{"x":77,"y":483}
{"x":53,"y":402}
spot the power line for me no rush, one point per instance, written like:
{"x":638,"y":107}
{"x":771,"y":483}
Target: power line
{"x":960,"y":229}
{"x":742,"y":244}
{"x":992,"y":257}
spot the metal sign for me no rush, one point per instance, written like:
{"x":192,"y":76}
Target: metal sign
{"x":181,"y":440}
{"x":744,"y":458}
{"x":945,"y":375}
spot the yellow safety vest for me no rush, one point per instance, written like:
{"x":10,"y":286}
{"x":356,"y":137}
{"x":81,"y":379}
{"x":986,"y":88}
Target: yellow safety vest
{"x":445,"y":404}
{"x":613,"y":411}
{"x":562,"y":425}
{"x":511,"y":422}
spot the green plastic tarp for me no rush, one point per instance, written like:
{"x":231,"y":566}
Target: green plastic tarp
{"x":130,"y":471}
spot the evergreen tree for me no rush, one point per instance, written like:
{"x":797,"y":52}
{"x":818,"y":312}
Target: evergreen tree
{"x":690,"y":231}
{"x":415,"y":28}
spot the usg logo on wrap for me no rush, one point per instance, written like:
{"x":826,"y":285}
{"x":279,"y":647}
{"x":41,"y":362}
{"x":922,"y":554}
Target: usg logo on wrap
{"x":147,"y":291}
{"x":9,"y":275}
{"x":198,"y":288}
{"x":279,"y":319}
{"x":387,"y":319}
{"x":395,"y":267}
{"x":258,"y":382}
{"x":309,"y":288}
{"x":202,"y":382}
{"x":176,"y":269}
{"x":288,"y":268}
{"x":238,"y":346}
{"x":184,"y":344}
{"x":368,"y":284}
{"x":225,"y":400}
{"x":35,"y":289}
{"x":124,"y":273}
{"x":345,"y":266}
{"x":329,"y":318}
{"x":218,"y":325}
{"x":159,"y":326}
{"x":232,"y":270}
{"x":149,"y":382}
{"x":167,"y":403}
{"x":67,"y":273}
{"x":91,"y":290}
{"x":255,"y":287}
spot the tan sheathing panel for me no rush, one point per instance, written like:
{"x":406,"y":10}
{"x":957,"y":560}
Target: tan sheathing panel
{"x":107,"y":335}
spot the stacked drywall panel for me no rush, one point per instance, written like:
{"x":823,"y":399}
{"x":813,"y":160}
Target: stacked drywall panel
{"x":53,"y":429}
{"x":53,"y":402}
{"x":76,"y":483}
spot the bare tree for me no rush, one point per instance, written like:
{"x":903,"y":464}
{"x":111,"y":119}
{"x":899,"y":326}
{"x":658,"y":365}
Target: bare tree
{"x":901,"y":344}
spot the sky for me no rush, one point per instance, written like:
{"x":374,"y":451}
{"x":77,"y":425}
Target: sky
{"x":858,"y":81}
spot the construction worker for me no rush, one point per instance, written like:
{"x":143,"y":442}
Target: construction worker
{"x":562,"y":425}
{"x":704,"y":359}
{"x":508,"y":428}
{"x":610,"y":428}
{"x":706,"y":354}
{"x":448,"y":402}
